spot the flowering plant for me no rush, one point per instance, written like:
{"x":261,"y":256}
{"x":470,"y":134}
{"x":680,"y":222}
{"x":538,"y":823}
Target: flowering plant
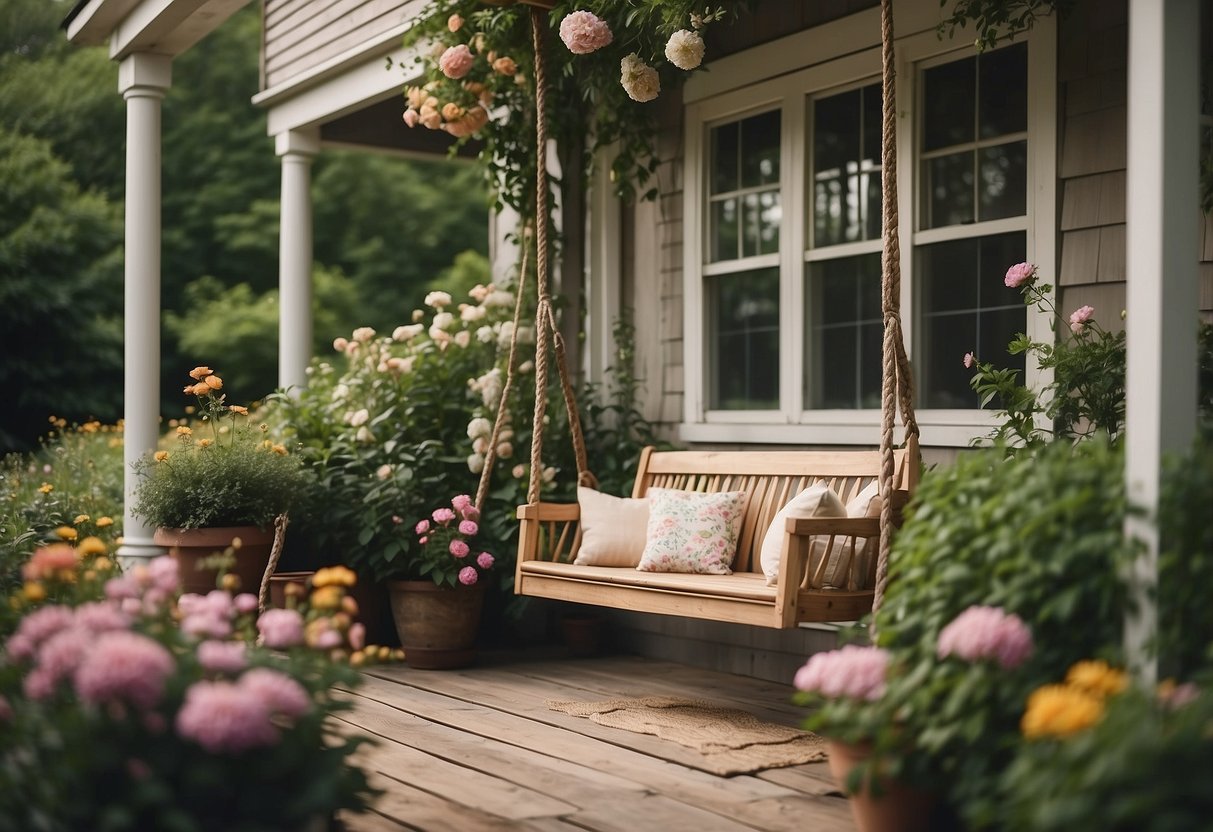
{"x":1087,"y":392}
{"x":231,"y":473}
{"x":445,"y":537}
{"x":477,"y":80}
{"x":124,"y":704}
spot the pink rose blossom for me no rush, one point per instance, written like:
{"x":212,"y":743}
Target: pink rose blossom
{"x":422,"y":527}
{"x":454,"y":23}
{"x":484,"y":560}
{"x":222,"y":656}
{"x":411,"y":117}
{"x":456,"y":61}
{"x":1179,"y":695}
{"x":584,"y":32}
{"x":468,"y":527}
{"x":164,"y":573}
{"x":124,"y":666}
{"x":970,"y":360}
{"x":62,"y":653}
{"x":471,"y":513}
{"x":468,"y":576}
{"x":325,"y":639}
{"x":461,"y":502}
{"x":100,"y":617}
{"x":206,"y":624}
{"x":423,"y":540}
{"x":1019,"y":274}
{"x":458,"y":548}
{"x":1079,"y":318}
{"x":245,"y":603}
{"x":225,"y":718}
{"x":278,"y":692}
{"x":443,"y":515}
{"x":987,"y":633}
{"x":852,"y":671}
{"x":280,"y":628}
{"x":121,"y":587}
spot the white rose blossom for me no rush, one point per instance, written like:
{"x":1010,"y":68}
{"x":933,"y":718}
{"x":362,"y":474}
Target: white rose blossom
{"x":363,"y":334}
{"x":383,"y":471}
{"x":470,"y":314}
{"x":475,"y":463}
{"x":364,"y":435}
{"x":639,"y":80}
{"x":407,"y":332}
{"x":463,"y":338}
{"x":442,"y":320}
{"x":359,"y":417}
{"x":480,"y":445}
{"x":499,"y":297}
{"x":438,"y":299}
{"x":485,"y":334}
{"x":685,"y":49}
{"x":479,"y":426}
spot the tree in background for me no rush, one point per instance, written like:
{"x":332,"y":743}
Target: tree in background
{"x":385,"y":227}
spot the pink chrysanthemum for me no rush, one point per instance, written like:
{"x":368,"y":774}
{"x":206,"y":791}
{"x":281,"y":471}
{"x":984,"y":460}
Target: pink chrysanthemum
{"x":584,"y":32}
{"x":36,"y":628}
{"x":222,"y":656}
{"x":206,"y":624}
{"x":456,"y":61}
{"x":164,"y":573}
{"x":484,"y":560}
{"x":987,"y":633}
{"x":123,"y":666}
{"x":278,"y":692}
{"x":852,"y":671}
{"x":280,"y":628}
{"x":458,"y":549}
{"x":121,"y":588}
{"x":1019,"y":274}
{"x":62,"y":653}
{"x":468,"y":576}
{"x":101,"y":617}
{"x":245,"y":603}
{"x":225,"y":718}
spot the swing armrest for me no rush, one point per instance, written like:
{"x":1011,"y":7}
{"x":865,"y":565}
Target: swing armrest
{"x":549,"y":511}
{"x":848,"y":526}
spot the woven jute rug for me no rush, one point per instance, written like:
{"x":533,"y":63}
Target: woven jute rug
{"x":731,"y":741}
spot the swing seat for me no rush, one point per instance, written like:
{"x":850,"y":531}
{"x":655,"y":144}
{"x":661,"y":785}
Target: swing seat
{"x":551,"y":535}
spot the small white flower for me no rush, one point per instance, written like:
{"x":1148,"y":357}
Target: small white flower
{"x":499,"y":297}
{"x":363,"y":334}
{"x":480,"y":445}
{"x":438,"y":299}
{"x":340,"y":392}
{"x":442,"y":320}
{"x":364,"y":435}
{"x":519,"y":471}
{"x":463,"y":338}
{"x":526,"y":366}
{"x":505,"y":450}
{"x":471,"y":314}
{"x":418,"y":315}
{"x":407,"y":332}
{"x":549,"y":474}
{"x":484,"y":334}
{"x":384,"y":471}
{"x":479,"y":426}
{"x":685,"y":49}
{"x":359,"y":417}
{"x":475,"y":463}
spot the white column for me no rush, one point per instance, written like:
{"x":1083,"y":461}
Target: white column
{"x":143,"y":79}
{"x":605,"y":265}
{"x":297,"y":148}
{"x":1162,"y":287}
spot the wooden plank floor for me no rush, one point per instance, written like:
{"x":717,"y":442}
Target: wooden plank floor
{"x":478,"y":749}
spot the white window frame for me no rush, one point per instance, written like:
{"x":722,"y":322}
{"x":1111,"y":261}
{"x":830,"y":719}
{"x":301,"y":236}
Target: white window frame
{"x":848,"y":53}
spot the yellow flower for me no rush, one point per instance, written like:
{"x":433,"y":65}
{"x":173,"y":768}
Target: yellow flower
{"x":334,"y":576}
{"x":103,"y":564}
{"x":46,"y":488}
{"x":213,"y":382}
{"x":1059,"y":711}
{"x":235,"y":408}
{"x":34,"y":591}
{"x":1097,"y":678}
{"x":91,"y":427}
{"x":91,"y":546}
{"x":160,"y":456}
{"x":327,"y":598}
{"x":103,"y":522}
{"x":66,"y":533}
{"x":205,"y":443}
{"x":185,"y":430}
{"x":80,"y":518}
{"x":279,"y":449}
{"x":199,"y":373}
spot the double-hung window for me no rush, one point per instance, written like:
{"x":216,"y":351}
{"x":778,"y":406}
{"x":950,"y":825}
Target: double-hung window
{"x":782,"y":250}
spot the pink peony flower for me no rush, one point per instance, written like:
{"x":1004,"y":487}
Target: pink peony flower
{"x":468,"y":527}
{"x":62,"y":653}
{"x":38,"y":685}
{"x":124,"y":666}
{"x":206,"y":624}
{"x":422,"y":527}
{"x":278,"y":692}
{"x":100,"y":617}
{"x":1019,"y":274}
{"x":987,"y":633}
{"x":121,"y":587}
{"x":222,"y":656}
{"x":969,"y":360}
{"x":852,"y":671}
{"x":1079,"y":318}
{"x":456,"y":61}
{"x":468,"y":576}
{"x":225,"y":718}
{"x":458,"y":548}
{"x":245,"y":603}
{"x":47,"y":560}
{"x":584,"y":32}
{"x":280,"y":628}
{"x":164,"y":573}
{"x":484,"y":560}
{"x":36,"y":628}
{"x":443,"y":515}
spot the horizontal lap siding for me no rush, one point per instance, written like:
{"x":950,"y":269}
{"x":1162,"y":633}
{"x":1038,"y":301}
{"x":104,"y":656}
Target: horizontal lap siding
{"x":302,"y":34}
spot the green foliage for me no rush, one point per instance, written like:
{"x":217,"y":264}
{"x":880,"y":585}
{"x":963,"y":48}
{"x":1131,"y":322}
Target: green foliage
{"x":997,"y":20}
{"x":234,"y":475}
{"x":60,"y":294}
{"x":468,"y":269}
{"x":73,"y":481}
{"x":584,"y":94}
{"x":126,"y":762}
{"x":1142,"y":768}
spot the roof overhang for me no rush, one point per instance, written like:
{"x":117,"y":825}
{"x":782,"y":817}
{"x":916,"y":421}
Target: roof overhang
{"x":164,"y":27}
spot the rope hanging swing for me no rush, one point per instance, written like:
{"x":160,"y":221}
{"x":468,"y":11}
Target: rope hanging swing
{"x":896,"y":379}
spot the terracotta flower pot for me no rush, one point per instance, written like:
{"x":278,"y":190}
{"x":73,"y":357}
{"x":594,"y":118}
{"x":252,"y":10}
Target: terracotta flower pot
{"x":896,"y":808}
{"x":279,"y":581}
{"x":191,"y":546}
{"x":437,"y":624}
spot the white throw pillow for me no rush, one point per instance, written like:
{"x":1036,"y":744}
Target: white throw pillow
{"x":815,"y":501}
{"x":867,"y":503}
{"x":692,"y":531}
{"x":613,"y":529}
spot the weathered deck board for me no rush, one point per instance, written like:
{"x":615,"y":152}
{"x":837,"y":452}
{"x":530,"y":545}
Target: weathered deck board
{"x":478,"y":750}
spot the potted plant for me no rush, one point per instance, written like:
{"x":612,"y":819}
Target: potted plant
{"x":437,"y":611}
{"x":125,"y":704}
{"x":219,"y":487}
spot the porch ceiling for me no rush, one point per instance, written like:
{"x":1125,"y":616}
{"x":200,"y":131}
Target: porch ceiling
{"x":378,"y":127}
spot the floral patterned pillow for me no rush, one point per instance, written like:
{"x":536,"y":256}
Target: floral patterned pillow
{"x":690,"y":531}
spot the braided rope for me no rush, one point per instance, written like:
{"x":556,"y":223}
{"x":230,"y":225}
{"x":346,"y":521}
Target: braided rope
{"x":490,"y":456}
{"x":263,"y":592}
{"x":897,"y":385}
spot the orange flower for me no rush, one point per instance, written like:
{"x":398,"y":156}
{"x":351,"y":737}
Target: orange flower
{"x":159,"y":456}
{"x":91,"y":546}
{"x":205,"y":443}
{"x":201,"y":389}
{"x":46,"y":488}
{"x":214,"y":382}
{"x":199,"y":373}
{"x":235,"y":408}
{"x":185,"y":430}
{"x":103,"y":522}
{"x":66,"y":533}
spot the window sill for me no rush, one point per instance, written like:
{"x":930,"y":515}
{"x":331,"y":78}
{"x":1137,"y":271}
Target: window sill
{"x":940,"y":428}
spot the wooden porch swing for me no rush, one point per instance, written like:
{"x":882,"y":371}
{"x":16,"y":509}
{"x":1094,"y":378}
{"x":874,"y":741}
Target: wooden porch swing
{"x":550,"y":534}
